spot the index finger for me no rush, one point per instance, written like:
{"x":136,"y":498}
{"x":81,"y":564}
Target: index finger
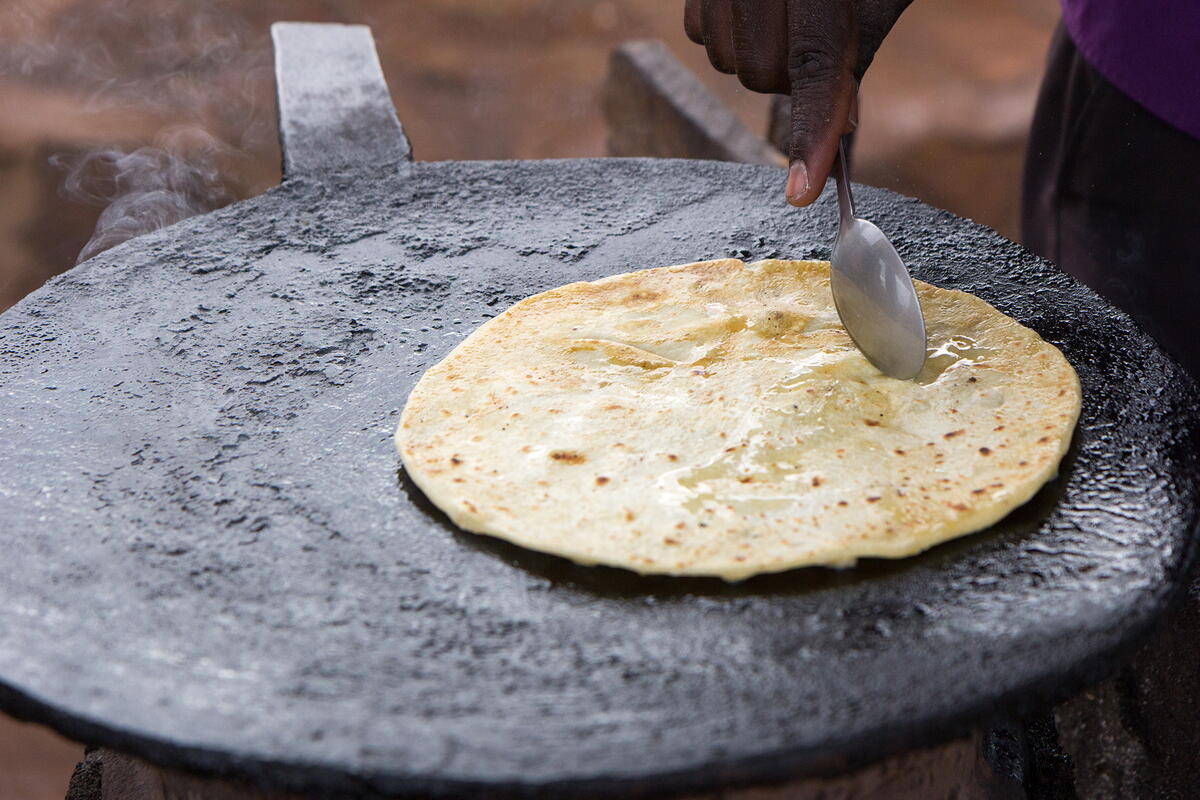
{"x":693,"y":21}
{"x":822,"y":45}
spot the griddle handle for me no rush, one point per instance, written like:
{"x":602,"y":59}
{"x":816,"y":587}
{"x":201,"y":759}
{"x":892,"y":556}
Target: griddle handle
{"x":335,"y":113}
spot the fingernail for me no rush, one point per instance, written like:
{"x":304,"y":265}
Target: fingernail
{"x":797,"y":182}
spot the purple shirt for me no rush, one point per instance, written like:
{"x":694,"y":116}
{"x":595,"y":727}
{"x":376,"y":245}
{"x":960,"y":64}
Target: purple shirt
{"x":1149,"y":49}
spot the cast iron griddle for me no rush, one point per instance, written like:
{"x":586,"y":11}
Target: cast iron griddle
{"x":210,"y":557}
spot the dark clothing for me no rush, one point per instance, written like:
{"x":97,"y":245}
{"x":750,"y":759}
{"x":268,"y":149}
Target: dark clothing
{"x":1112,"y":196}
{"x":1149,"y":49}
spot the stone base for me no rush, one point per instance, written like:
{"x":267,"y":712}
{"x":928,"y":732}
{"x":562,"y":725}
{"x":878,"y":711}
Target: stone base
{"x":992,"y":766}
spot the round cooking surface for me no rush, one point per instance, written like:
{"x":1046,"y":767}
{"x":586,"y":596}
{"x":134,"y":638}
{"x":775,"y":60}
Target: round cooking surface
{"x":212,"y":558}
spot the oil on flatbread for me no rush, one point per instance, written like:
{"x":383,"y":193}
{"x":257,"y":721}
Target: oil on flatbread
{"x":715,"y":419}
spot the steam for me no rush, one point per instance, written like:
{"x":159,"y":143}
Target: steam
{"x":197,"y":69}
{"x":148,"y":188}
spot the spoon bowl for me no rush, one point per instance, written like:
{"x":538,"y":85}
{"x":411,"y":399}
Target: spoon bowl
{"x":873,"y":291}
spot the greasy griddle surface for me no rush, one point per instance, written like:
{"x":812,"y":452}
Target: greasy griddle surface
{"x":211,"y":558}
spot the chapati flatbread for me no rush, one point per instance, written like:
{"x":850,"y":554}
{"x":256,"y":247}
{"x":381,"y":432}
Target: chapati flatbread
{"x":716,"y":419}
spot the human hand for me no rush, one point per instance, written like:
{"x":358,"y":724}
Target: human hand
{"x":814,"y":50}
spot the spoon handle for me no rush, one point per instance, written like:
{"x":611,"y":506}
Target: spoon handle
{"x":841,"y":176}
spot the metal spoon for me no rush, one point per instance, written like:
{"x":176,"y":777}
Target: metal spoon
{"x":873,"y":291}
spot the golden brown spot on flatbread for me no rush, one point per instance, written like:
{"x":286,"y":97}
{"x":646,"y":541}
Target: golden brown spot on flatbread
{"x":567,"y":457}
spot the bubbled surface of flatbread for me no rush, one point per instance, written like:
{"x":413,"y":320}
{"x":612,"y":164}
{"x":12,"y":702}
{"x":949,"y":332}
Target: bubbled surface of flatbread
{"x":716,"y":419}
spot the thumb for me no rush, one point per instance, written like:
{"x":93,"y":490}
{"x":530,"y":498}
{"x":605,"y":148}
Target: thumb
{"x":822,"y":46}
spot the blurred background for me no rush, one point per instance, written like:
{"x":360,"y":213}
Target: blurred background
{"x":120,"y":116}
